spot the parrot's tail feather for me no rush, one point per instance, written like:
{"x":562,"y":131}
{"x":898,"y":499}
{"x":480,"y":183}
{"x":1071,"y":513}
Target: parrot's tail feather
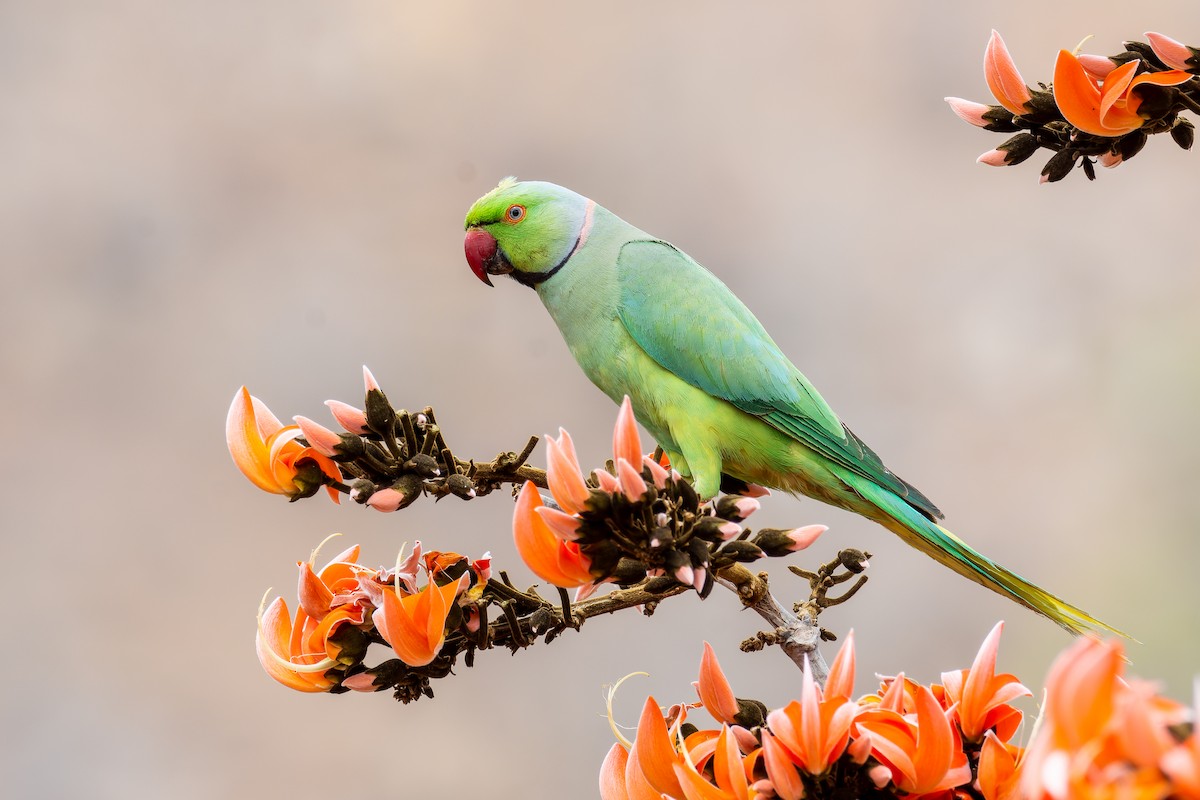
{"x":942,"y":545}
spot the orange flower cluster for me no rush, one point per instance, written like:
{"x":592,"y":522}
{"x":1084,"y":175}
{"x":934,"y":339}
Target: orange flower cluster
{"x":384,"y":459}
{"x":1098,"y":107}
{"x":344,"y":607}
{"x":1099,"y":737}
{"x":664,"y":529}
{"x":268,"y":453}
{"x":1102,"y":736}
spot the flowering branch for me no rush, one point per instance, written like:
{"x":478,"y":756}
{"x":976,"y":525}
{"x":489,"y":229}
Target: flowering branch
{"x":641,"y":528}
{"x":1098,"y":109}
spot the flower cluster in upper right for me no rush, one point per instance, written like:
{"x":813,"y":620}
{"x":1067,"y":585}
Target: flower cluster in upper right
{"x":1098,"y":109}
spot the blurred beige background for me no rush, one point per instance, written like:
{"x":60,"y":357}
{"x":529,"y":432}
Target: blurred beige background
{"x":200,"y":195}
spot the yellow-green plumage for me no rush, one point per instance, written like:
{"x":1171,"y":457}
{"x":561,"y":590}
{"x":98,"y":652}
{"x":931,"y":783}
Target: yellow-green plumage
{"x":645,"y":320}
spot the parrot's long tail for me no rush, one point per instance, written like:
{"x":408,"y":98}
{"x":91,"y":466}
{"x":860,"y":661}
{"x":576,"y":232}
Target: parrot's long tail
{"x":942,"y":545}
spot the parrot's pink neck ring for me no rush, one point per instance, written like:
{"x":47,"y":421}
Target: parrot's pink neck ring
{"x":588,"y":217}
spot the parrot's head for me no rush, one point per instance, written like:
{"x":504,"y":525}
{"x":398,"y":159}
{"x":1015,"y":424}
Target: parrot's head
{"x":526,"y":229}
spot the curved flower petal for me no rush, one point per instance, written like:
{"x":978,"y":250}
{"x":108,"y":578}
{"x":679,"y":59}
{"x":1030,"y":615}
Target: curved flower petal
{"x":627,"y":444}
{"x":655,"y":753}
{"x":715,"y":692}
{"x":565,"y":526}
{"x":1003,"y":78}
{"x":635,"y":780}
{"x":612,"y":773}
{"x":247,"y":444}
{"x":840,"y":682}
{"x":631,"y":482}
{"x":563,"y":475}
{"x":561,"y":563}
{"x":273,"y":644}
{"x":780,"y":769}
{"x":415,"y":625}
{"x":1077,"y":95}
{"x":997,"y":770}
{"x":1174,"y":54}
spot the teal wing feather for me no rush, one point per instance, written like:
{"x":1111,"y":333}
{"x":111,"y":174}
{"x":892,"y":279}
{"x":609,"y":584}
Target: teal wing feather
{"x":691,"y":324}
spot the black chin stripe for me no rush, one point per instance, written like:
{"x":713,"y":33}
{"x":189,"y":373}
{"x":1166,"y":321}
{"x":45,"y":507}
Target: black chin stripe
{"x":532,"y":279}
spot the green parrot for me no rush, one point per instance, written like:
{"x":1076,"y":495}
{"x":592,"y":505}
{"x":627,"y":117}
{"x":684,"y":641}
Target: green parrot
{"x":644,"y":319}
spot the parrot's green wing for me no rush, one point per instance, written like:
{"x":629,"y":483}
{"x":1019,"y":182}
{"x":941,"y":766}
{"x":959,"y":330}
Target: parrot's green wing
{"x":691,"y":324}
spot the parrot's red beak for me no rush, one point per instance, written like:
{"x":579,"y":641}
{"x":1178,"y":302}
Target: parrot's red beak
{"x":480,"y":247}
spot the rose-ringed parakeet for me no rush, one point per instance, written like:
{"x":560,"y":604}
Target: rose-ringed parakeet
{"x":645,"y":320}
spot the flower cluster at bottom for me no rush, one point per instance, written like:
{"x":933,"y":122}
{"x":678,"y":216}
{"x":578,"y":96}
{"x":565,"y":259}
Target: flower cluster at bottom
{"x":344,"y":607}
{"x":1099,"y":737}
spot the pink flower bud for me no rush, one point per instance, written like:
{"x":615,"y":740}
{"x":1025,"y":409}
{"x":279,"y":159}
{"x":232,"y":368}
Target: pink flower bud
{"x":803,"y":537}
{"x":362,"y":682}
{"x":1096,"y":66}
{"x":351,"y":418}
{"x":657,"y":473}
{"x":563,"y":525}
{"x":747,"y":506}
{"x":631,"y":482}
{"x":968,"y":111}
{"x":605,"y":479}
{"x":386,"y":500}
{"x":369,"y":380}
{"x":880,"y":775}
{"x":323,"y":440}
{"x":1174,"y":54}
{"x":729,"y":530}
{"x":993,"y":158}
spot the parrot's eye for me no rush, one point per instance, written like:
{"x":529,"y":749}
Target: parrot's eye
{"x":515,"y":213}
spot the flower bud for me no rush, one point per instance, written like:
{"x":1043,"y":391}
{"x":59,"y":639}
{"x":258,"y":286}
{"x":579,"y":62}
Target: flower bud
{"x":361,"y":490}
{"x":742,"y":551}
{"x":460,"y":486}
{"x":736,"y":508}
{"x":1019,"y":148}
{"x":424,"y":465}
{"x":1059,"y":166}
{"x":381,"y":417}
{"x":776,"y":542}
{"x":1184,"y":133}
{"x":854,"y":560}
{"x":386,"y":500}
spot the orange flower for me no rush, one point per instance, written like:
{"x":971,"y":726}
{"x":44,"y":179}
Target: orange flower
{"x":656,"y":755}
{"x":999,"y":769}
{"x":1003,"y":78}
{"x":728,"y":772}
{"x":297,"y":654}
{"x":814,"y":730}
{"x":336,"y":584}
{"x":552,"y":559}
{"x":1106,"y":107}
{"x":1182,"y":764}
{"x":415,"y":624}
{"x":924,"y":755}
{"x":982,"y":696}
{"x":715,"y":692}
{"x":268,"y":454}
{"x":1099,"y":736}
